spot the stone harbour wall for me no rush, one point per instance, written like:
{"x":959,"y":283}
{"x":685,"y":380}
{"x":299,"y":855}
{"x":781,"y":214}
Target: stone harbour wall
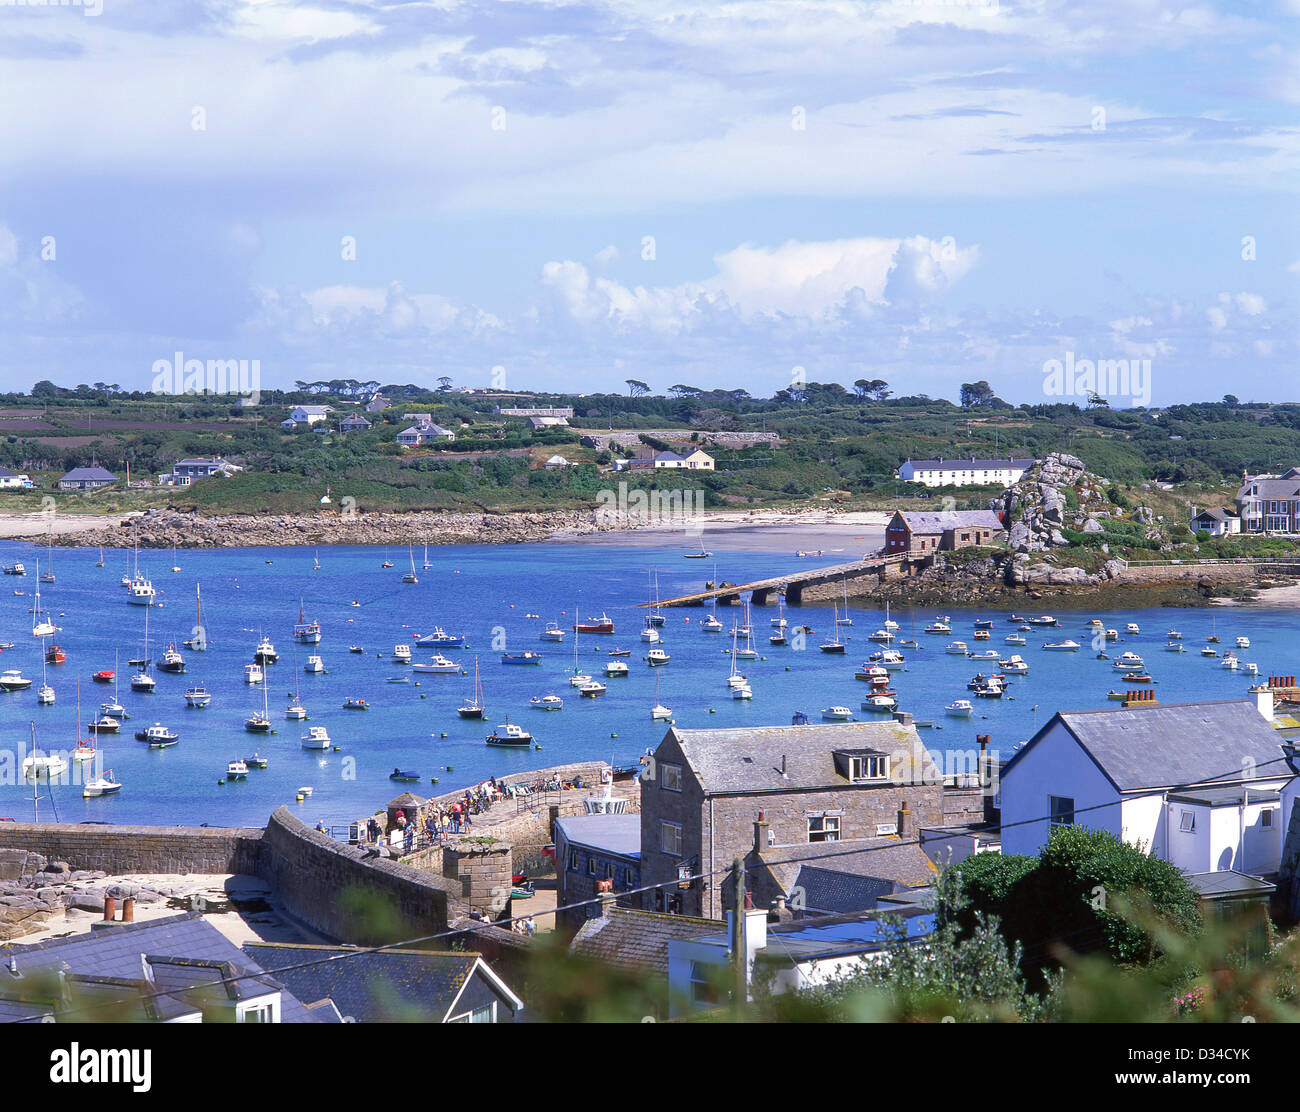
{"x":139,"y":849}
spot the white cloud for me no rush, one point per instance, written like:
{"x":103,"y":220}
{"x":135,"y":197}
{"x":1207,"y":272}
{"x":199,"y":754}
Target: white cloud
{"x":810,"y":281}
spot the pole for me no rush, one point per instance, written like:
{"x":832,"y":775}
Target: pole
{"x":738,"y":956}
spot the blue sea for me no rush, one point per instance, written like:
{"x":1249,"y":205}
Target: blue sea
{"x":487,"y":593}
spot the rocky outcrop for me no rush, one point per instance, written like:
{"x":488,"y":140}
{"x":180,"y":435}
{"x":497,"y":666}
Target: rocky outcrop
{"x":35,"y":891}
{"x":164,"y":528}
{"x":1055,"y":495}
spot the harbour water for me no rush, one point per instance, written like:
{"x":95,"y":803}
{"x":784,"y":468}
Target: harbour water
{"x":487,"y":594}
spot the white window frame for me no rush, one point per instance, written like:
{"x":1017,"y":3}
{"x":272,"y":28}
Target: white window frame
{"x":1187,"y":822}
{"x":831,"y":828}
{"x":860,"y":768}
{"x":674,"y":848}
{"x":670,"y":777}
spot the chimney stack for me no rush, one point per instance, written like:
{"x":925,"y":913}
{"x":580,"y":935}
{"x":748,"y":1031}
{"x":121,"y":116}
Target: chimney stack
{"x":760,"y":833}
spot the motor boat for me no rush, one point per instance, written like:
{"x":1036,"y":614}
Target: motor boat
{"x":658,"y":656}
{"x":1243,"y":642}
{"x":890,"y":659}
{"x":107,"y":675}
{"x":143,"y":682}
{"x":986,"y":654}
{"x":1015,"y":664}
{"x":13,"y":680}
{"x":603,"y":624}
{"x":171,"y":661}
{"x":439,"y":665}
{"x":104,"y":724}
{"x":1229,"y":661}
{"x":404,"y":776}
{"x":981,"y":635}
{"x":265,"y":652}
{"x":991,"y":688}
{"x":236,"y":770}
{"x":355,"y":704}
{"x":1248,"y":668}
{"x":525,"y":657}
{"x":402,"y":654}
{"x":1017,"y":639}
{"x":316,"y":737}
{"x":1174,"y":647}
{"x":957,"y":648}
{"x":198,"y":696}
{"x":1062,"y":646}
{"x":1128,"y":662}
{"x":1042,"y":620}
{"x":552,"y":632}
{"x":882,"y":635}
{"x":876,"y":674}
{"x":509,"y":734}
{"x":257,"y":761}
{"x":140,"y":592}
{"x":546,"y":702}
{"x":578,"y":679}
{"x":711,"y":624}
{"x":156,"y":732}
{"x":960,"y":708}
{"x":1132,"y":628}
{"x":1209,"y":650}
{"x":615,"y":668}
{"x":440,"y":639}
{"x":314,"y":665}
{"x":743,"y":691}
{"x":55,"y":655}
{"x":880,"y":703}
{"x":591,"y":689}
{"x":938,"y":626}
{"x":837,"y":713}
{"x":253,"y":673}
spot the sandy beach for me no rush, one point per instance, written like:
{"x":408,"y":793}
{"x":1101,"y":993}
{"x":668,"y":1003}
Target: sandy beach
{"x":847,"y":536}
{"x":60,"y":525}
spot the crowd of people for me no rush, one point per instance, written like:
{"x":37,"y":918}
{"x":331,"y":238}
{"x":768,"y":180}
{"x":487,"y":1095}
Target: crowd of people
{"x":436,"y":821}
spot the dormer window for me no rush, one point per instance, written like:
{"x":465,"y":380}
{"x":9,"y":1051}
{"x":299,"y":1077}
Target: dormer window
{"x":868,"y":768}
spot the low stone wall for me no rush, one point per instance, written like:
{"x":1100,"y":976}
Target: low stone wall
{"x":348,"y":893}
{"x":140,"y":849}
{"x":1189,"y":573}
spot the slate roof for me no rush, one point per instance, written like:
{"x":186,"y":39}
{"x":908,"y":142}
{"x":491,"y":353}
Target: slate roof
{"x":942,"y":521}
{"x":969,"y":464}
{"x":893,"y":864}
{"x":183,"y":951}
{"x":1217,"y":513}
{"x":746,"y":759}
{"x":1226,"y":796}
{"x":390,"y":986}
{"x":1179,"y":744}
{"x":637,"y":941}
{"x":79,"y":474}
{"x":1270,"y":488}
{"x":832,"y":890}
{"x":620,"y":834}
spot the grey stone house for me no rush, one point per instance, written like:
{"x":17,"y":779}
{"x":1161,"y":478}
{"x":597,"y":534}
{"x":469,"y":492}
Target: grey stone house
{"x":772,"y":794}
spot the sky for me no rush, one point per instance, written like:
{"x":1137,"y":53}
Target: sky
{"x":563,"y":196}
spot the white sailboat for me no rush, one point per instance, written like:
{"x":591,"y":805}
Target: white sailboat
{"x":296,"y":710}
{"x":748,"y":652}
{"x":142,"y":681}
{"x":579,"y":677}
{"x":175,"y":565}
{"x":735,"y":679}
{"x":410,"y":576}
{"x":846,"y":620}
{"x":44,"y":696}
{"x":427,"y":565}
{"x":41,"y":627}
{"x":473,"y":707}
{"x":659,"y":712}
{"x":198,"y":640}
